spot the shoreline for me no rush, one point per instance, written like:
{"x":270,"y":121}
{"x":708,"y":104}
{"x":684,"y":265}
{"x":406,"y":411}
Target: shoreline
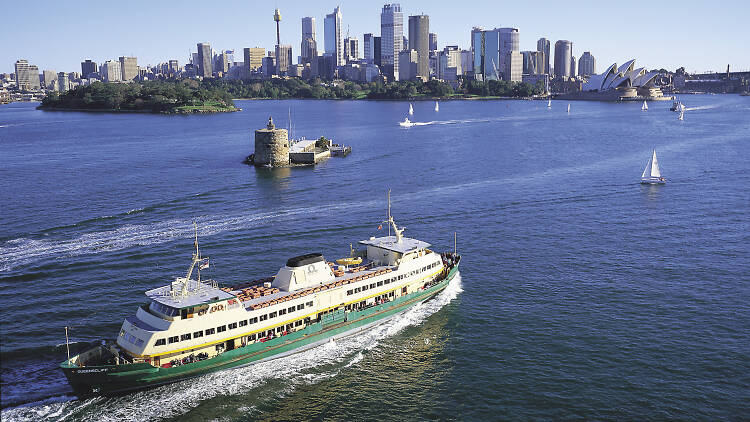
{"x":111,"y":110}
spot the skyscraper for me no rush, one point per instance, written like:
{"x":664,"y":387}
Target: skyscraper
{"x":433,"y":41}
{"x":419,"y":41}
{"x":50,"y":76}
{"x":377,"y":49}
{"x":369,"y":48}
{"x":334,"y":44}
{"x":392,"y":38}
{"x":351,"y":49}
{"x":22,"y":75}
{"x":253,"y":58}
{"x":283,"y":59}
{"x":509,"y":43}
{"x":309,"y":45}
{"x":111,"y":71}
{"x":88,"y":67}
{"x":62,"y":81}
{"x":205,"y":69}
{"x":586,"y":64}
{"x":129,"y":68}
{"x":572,"y":65}
{"x":531,"y":62}
{"x":486,"y":45}
{"x":563,"y":53}
{"x":542,"y":46}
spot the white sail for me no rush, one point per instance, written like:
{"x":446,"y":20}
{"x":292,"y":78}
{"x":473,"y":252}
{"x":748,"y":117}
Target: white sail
{"x":568,"y":107}
{"x":647,"y":170}
{"x":682,"y":114}
{"x":411,"y":109}
{"x":549,"y":103}
{"x":655,"y":166}
{"x":437,"y":107}
{"x":644,"y":107}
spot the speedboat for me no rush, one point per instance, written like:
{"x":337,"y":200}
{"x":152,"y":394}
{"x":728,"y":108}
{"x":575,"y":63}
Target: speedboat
{"x":406,"y":123}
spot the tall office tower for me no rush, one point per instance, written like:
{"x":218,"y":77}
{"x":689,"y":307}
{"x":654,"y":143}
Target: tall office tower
{"x":530,"y":62}
{"x":63,"y":82}
{"x":377,"y":48}
{"x":88,"y":67}
{"x":334,"y":43}
{"x":205,"y":69}
{"x":254,"y":57}
{"x":513,"y":67}
{"x":22,"y":74}
{"x":474,"y":30}
{"x":392,"y":39}
{"x":408,"y":62}
{"x":174,"y":67}
{"x":111,"y":71}
{"x":467,"y":62}
{"x":351,"y":49}
{"x":50,"y":76}
{"x":369,"y":48}
{"x":34,"y":82}
{"x":221,"y":63}
{"x":509,"y":42}
{"x":283,"y":59}
{"x":586,"y":64}
{"x":308,"y":44}
{"x":563,"y":53}
{"x":542,"y":46}
{"x":572,"y":65}
{"x":449,"y":63}
{"x":419,"y":41}
{"x":486,"y":45}
{"x":129,"y":68}
{"x":433,"y":41}
{"x":405,"y":44}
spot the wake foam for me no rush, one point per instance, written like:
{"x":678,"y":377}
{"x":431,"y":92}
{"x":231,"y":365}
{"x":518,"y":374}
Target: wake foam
{"x":305,"y":368}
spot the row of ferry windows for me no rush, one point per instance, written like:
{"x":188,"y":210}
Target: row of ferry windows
{"x":232,"y":326}
{"x":389,"y":280}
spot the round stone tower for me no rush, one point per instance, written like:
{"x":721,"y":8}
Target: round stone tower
{"x":271,"y":146}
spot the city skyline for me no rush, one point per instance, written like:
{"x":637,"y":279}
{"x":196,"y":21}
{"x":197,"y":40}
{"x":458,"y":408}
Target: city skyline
{"x":247,"y":25}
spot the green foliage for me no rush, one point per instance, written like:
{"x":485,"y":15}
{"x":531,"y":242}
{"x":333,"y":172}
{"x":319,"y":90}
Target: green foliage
{"x":154,"y":96}
{"x":502,"y":88}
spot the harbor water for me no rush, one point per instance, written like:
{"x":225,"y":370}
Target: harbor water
{"x":583,"y":295}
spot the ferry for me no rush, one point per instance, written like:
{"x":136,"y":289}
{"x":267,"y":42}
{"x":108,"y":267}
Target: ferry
{"x":192,"y":326}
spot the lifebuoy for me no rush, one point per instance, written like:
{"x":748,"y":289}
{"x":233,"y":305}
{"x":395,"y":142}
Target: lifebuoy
{"x":311,"y":268}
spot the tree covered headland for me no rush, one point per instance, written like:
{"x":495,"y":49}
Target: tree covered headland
{"x":187,"y":95}
{"x":214,"y":95}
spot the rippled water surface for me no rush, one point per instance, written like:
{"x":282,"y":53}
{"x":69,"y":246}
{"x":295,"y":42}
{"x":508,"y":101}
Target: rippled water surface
{"x":582,"y":295}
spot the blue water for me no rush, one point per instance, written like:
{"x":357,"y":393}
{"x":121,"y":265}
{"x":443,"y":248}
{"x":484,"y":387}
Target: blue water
{"x":583,"y":295}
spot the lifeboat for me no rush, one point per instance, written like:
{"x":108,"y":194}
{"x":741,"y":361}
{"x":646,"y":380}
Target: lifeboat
{"x":349,"y":261}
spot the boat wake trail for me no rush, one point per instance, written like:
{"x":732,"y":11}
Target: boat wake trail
{"x":305,"y":368}
{"x":707,"y":107}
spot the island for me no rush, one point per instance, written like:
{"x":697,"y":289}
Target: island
{"x":168,"y":97}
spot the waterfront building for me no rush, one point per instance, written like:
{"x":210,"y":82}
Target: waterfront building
{"x":625,"y":81}
{"x":34,"y":79}
{"x":269,"y":65}
{"x":449,"y":63}
{"x":283,"y":59}
{"x":508,"y":62}
{"x":253,"y":58}
{"x":129,"y":68}
{"x":408,"y":65}
{"x":88,"y":67}
{"x":467,"y":62}
{"x":419,"y":40}
{"x":542,"y":79}
{"x":486,"y":45}
{"x":111,"y":71}
{"x":531,"y":62}
{"x":542,"y":46}
{"x":351,"y":49}
{"x":27,"y":76}
{"x":563,"y":54}
{"x":572,"y":66}
{"x":433,"y":41}
{"x":205,"y":68}
{"x":377,"y":51}
{"x":49,"y":76}
{"x":334,"y":43}
{"x":392,"y":39}
{"x":586,"y":64}
{"x":369,"y":48}
{"x":63,"y":82}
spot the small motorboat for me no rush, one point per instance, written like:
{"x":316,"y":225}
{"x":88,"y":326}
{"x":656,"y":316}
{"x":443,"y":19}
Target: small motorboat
{"x":677,"y":106}
{"x":406,"y":123}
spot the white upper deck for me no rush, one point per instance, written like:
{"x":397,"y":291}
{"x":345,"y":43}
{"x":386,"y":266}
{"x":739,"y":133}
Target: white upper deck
{"x":194,"y":293}
{"x":391,"y":243}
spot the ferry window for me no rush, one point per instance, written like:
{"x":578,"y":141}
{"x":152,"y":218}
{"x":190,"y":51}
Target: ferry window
{"x":291,"y":309}
{"x":364,"y":288}
{"x":264,"y":317}
{"x":210,"y":331}
{"x":253,"y":320}
{"x":174,"y":339}
{"x":387,"y":281}
{"x":139,"y":342}
{"x":185,"y":337}
{"x":349,"y":292}
{"x":198,"y":334}
{"x":279,"y":329}
{"x":160,"y":342}
{"x":380,"y":283}
{"x":372,"y":285}
{"x":261,"y":334}
{"x":232,"y":326}
{"x":401,"y":276}
{"x":300,"y":307}
{"x":131,"y":338}
{"x":308,"y":304}
{"x":297,"y":323}
{"x":221,"y":328}
{"x":289,"y":327}
{"x":282,"y":311}
{"x":272,"y":315}
{"x":243,"y":323}
{"x":252,"y":337}
{"x":357,"y":290}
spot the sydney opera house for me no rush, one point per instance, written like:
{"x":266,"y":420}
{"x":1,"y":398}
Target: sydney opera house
{"x":621,"y":83}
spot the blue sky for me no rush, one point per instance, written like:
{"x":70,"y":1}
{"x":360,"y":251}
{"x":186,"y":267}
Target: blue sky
{"x":699,"y":35}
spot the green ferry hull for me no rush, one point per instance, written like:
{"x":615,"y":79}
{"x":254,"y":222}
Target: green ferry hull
{"x":117,"y":379}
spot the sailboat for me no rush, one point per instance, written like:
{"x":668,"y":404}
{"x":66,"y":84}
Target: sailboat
{"x":437,"y":107}
{"x":568,"y":108}
{"x":549,"y":103}
{"x":644,"y":107}
{"x":651,"y":174}
{"x":411,"y":110}
{"x":682,"y":115}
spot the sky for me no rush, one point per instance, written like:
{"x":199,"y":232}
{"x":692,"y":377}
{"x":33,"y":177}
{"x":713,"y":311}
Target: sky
{"x":697,"y":34}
